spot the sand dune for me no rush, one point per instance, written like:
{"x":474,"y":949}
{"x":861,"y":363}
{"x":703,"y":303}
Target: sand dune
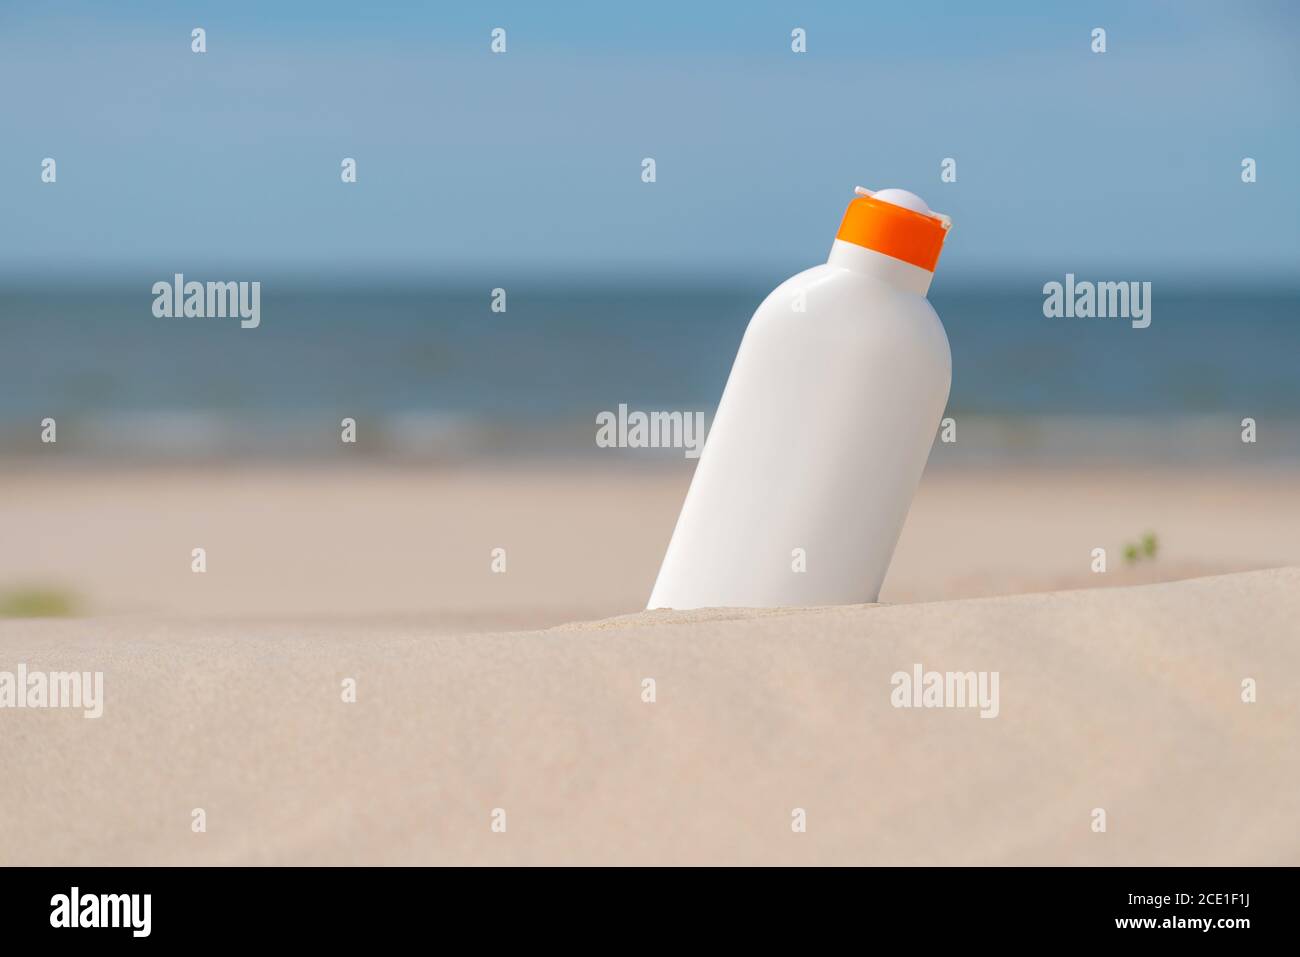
{"x":1127,"y":699}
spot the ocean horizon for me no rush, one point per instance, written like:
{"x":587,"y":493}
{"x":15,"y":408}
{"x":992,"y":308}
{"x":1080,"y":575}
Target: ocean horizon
{"x":428,"y":368}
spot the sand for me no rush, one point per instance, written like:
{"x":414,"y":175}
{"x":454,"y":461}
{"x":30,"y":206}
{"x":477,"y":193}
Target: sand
{"x":581,"y":542}
{"x":1125,"y":699}
{"x":224,"y":691}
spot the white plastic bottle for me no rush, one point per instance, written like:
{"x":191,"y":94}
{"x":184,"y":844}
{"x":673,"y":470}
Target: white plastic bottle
{"x":824,"y":427}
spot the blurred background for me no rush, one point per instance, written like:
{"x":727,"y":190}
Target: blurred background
{"x":522,"y":171}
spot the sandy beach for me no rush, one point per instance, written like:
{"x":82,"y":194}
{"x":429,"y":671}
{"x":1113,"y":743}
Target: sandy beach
{"x":524,"y":691}
{"x":1124,"y":699}
{"x":582,"y":542}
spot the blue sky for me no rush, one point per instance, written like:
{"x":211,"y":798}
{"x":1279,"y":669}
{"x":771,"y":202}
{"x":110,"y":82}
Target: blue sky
{"x":528,"y":163}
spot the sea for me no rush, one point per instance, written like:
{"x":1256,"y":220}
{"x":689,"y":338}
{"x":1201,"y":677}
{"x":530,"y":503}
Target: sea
{"x":429,"y":370}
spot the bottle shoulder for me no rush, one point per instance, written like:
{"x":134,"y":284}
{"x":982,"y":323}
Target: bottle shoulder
{"x":849,"y":308}
{"x":835,"y":285}
{"x":827,"y":292}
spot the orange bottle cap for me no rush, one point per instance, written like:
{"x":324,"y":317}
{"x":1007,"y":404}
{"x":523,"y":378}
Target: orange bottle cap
{"x":912,"y":235}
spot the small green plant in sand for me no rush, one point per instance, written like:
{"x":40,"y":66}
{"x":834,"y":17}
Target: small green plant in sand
{"x":1146,"y":548}
{"x":36,"y":602}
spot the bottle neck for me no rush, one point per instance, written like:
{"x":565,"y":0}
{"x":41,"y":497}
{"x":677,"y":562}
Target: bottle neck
{"x":893,"y":271}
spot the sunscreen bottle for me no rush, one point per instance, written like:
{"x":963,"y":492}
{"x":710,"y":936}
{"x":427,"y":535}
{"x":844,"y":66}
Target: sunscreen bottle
{"x":824,"y":427}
